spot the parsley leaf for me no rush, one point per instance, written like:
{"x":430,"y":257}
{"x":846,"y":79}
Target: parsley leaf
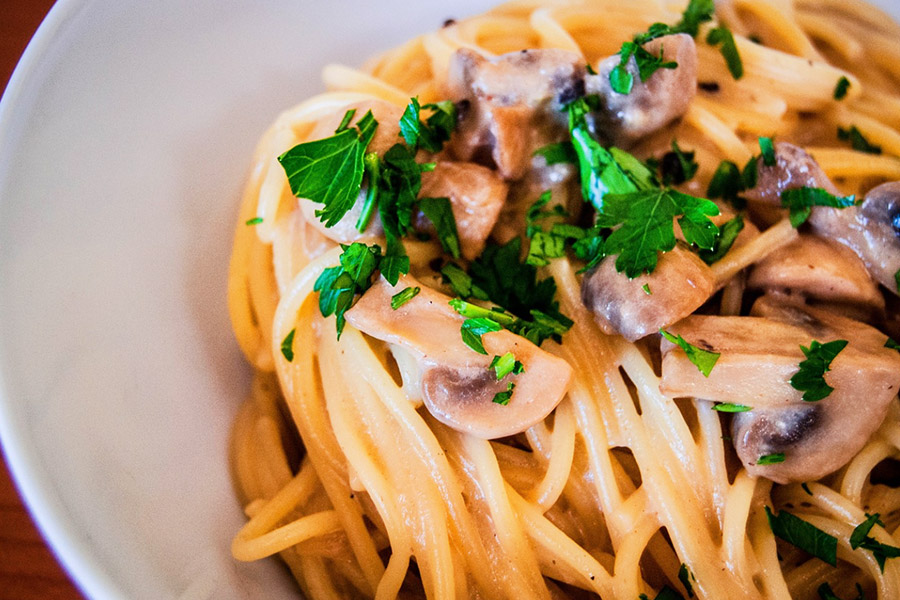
{"x":696,"y":13}
{"x":726,"y":183}
{"x":404,"y":296}
{"x":461,"y":282}
{"x":254,"y":221}
{"x":677,"y":166}
{"x":622,"y":81}
{"x":436,"y":129}
{"x":722,"y":35}
{"x":897,"y":279}
{"x":729,"y":233}
{"x":287,"y":346}
{"x":646,"y":288}
{"x":704,"y":360}
{"x":892,"y":344}
{"x":506,"y":364}
{"x":770,"y":459}
{"x":546,"y":245}
{"x":685,"y":576}
{"x":504,"y":397}
{"x":840,"y":90}
{"x":473,"y":329}
{"x":860,"y":539}
{"x":440,"y":213}
{"x":800,"y":201}
{"x":857,"y":140}
{"x":645,"y":226}
{"x":803,"y":535}
{"x":810,"y":379}
{"x":861,"y":532}
{"x":330,"y":171}
{"x":541,"y":327}
{"x":731,"y":408}
{"x":666,"y":593}
{"x":558,"y":153}
{"x":768,"y":151}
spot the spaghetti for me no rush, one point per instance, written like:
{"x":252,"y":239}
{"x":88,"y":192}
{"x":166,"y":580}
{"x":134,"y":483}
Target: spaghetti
{"x":621,"y":491}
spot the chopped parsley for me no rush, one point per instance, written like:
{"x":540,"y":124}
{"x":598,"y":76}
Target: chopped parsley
{"x":506,"y":364}
{"x":558,"y":153}
{"x":729,"y":233}
{"x":860,"y":539}
{"x":440,"y":213}
{"x":542,"y":327}
{"x":646,"y":288}
{"x":434,"y":131}
{"x":472,"y":330}
{"x":330,"y":171}
{"x":287,"y":346}
{"x":770,"y":459}
{"x":810,"y":379}
{"x":546,"y":245}
{"x":840,"y":89}
{"x":800,"y":201}
{"x":897,"y":279}
{"x":803,"y":535}
{"x":721,"y":36}
{"x":461,"y":282}
{"x":704,"y":360}
{"x":677,"y":166}
{"x":806,"y":488}
{"x":727,"y":183}
{"x":685,"y":576}
{"x":892,"y":344}
{"x":254,"y":221}
{"x":666,"y":593}
{"x":767,"y":148}
{"x":857,"y":140}
{"x":826,"y":593}
{"x":504,"y":397}
{"x":727,"y":407}
{"x":404,"y":296}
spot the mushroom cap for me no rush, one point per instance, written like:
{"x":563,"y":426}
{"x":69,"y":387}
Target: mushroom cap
{"x":651,"y":104}
{"x":513,"y":104}
{"x":458,"y":387}
{"x":679,"y":285}
{"x":871,"y":230}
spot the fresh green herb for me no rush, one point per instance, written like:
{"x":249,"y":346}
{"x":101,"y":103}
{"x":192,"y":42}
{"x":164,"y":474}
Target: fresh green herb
{"x":826,"y":593}
{"x":677,"y":166}
{"x":473,"y":329}
{"x":646,"y":288}
{"x":721,"y":36}
{"x":704,"y":360}
{"x":857,"y":140}
{"x":750,"y":174}
{"x":345,"y":122}
{"x":461,"y":282}
{"x":892,"y":344}
{"x":768,"y":151}
{"x":799,"y":201}
{"x":770,"y":459}
{"x":806,"y":488}
{"x":504,"y":397}
{"x":330,"y":171}
{"x":404,"y":296}
{"x":666,"y":593}
{"x":727,"y":183}
{"x":590,"y":69}
{"x":840,"y":90}
{"x":622,"y":81}
{"x":558,"y":153}
{"x":860,"y":539}
{"x":541,"y":327}
{"x":810,"y":379}
{"x":372,"y":168}
{"x":434,"y":131}
{"x":544,"y":245}
{"x":803,"y":535}
{"x":440,"y":213}
{"x":254,"y":221}
{"x":897,"y":279}
{"x":644,"y":222}
{"x":685,"y":576}
{"x":731,"y":408}
{"x":729,"y":233}
{"x":401,"y":179}
{"x":506,"y":364}
{"x":287,"y":346}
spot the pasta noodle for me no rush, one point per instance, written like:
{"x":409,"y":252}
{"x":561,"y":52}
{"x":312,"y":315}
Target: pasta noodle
{"x":363,"y":493}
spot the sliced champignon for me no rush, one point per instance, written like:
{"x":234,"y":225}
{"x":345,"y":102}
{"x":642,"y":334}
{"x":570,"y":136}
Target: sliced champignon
{"x":794,"y":168}
{"x":476,"y":194}
{"x":386,"y":135}
{"x":820,"y":270}
{"x":651,"y":104}
{"x":872,"y":230}
{"x":758,"y":356}
{"x":680,"y":284}
{"x":510,"y":105}
{"x":457,"y":385}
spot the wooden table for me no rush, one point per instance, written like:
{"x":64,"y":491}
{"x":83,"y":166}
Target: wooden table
{"x":28,"y":570}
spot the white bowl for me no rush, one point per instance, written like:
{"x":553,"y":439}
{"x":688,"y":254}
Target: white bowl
{"x":125,"y":136}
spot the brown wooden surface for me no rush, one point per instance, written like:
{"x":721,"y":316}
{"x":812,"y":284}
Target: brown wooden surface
{"x":28,"y":570}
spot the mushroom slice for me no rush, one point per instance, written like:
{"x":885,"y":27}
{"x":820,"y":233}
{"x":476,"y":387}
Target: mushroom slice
{"x":651,"y":104}
{"x":872,"y":230}
{"x":818,"y":269}
{"x":476,"y":196}
{"x":511,"y":104}
{"x":386,"y":135}
{"x":758,"y":356}
{"x":458,"y":386}
{"x":794,"y":168}
{"x":634,"y":308}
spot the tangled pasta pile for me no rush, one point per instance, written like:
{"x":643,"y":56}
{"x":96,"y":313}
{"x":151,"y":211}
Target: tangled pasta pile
{"x":577,"y":299}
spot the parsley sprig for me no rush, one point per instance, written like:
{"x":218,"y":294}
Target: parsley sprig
{"x":803,"y":535}
{"x":704,"y":360}
{"x":860,"y":539}
{"x":339,"y":286}
{"x":810,"y":378}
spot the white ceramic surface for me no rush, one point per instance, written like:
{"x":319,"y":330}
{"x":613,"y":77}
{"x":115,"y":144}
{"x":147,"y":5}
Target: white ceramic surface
{"x":125,"y":135}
